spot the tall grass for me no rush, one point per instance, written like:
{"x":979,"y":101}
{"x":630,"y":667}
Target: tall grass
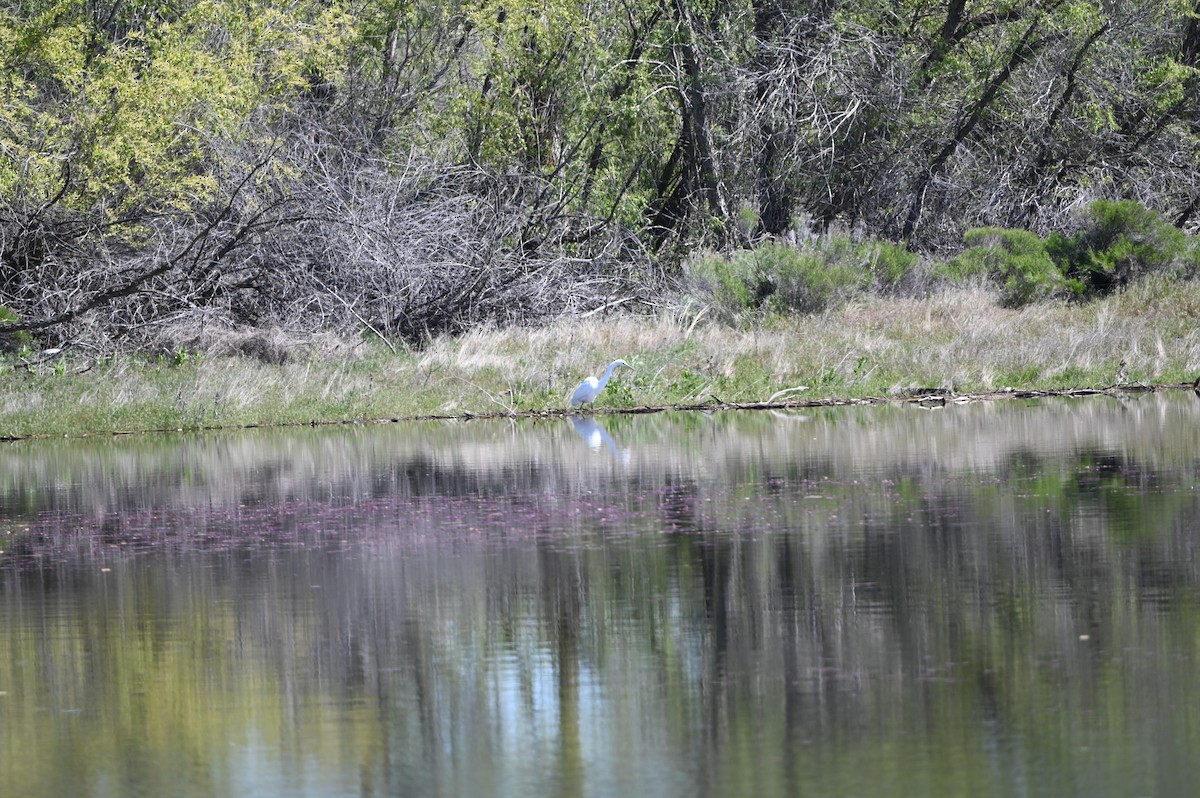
{"x":964,"y":339}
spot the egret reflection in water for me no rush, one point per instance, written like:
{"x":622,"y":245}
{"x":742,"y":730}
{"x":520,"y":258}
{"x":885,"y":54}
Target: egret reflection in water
{"x":597,"y":436}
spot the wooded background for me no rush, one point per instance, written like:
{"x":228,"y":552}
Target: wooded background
{"x":416,"y":169}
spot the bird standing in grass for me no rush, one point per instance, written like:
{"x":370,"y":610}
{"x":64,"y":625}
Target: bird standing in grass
{"x":590,"y":388}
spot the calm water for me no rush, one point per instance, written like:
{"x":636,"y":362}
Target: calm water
{"x":997,"y":599}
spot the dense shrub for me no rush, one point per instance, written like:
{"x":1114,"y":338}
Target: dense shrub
{"x":805,"y":279}
{"x":890,"y":265}
{"x":724,"y":283}
{"x":1118,"y":242}
{"x":1014,"y":260}
{"x":779,"y":278}
{"x":1115,"y":243}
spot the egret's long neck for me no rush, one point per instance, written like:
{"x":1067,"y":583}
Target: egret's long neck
{"x":607,"y":373}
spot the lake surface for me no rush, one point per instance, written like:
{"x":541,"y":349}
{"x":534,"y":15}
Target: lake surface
{"x":995,"y":599}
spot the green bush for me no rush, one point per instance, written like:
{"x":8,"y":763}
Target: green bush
{"x":781,"y":278}
{"x":1015,"y":260}
{"x":805,"y":279}
{"x":724,"y":283}
{"x":1121,"y":241}
{"x":889,"y":264}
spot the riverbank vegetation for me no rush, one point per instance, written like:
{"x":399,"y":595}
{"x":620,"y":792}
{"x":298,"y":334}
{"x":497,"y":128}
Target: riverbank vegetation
{"x":331,"y":190}
{"x":961,"y":340}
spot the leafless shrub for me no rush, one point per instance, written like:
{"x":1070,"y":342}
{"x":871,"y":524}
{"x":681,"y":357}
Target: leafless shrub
{"x":311,"y":240}
{"x":76,"y":275}
{"x":416,"y":251}
{"x":267,"y":344}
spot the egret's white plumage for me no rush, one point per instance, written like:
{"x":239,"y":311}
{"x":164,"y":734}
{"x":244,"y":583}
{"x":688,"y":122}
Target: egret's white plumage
{"x":590,"y":388}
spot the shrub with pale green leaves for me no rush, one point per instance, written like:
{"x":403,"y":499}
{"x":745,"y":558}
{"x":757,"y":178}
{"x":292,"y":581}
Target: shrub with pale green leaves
{"x":1119,"y":242}
{"x":782,"y":278}
{"x":805,"y":279}
{"x":889,"y":265}
{"x":724,"y":283}
{"x":1014,"y":260}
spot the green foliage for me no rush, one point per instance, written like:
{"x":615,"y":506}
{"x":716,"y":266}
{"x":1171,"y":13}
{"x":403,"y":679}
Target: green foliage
{"x":808,"y":280}
{"x":728,"y":284}
{"x":13,"y":341}
{"x":781,"y":278}
{"x":688,"y":384}
{"x":567,"y":91}
{"x":124,"y":112}
{"x":1119,"y":242}
{"x":1015,"y":260}
{"x":889,"y":263}
{"x":179,"y":357}
{"x":631,"y":133}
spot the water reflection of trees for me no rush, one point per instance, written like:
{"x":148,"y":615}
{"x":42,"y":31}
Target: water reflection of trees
{"x":468,"y":608}
{"x":257,"y":466}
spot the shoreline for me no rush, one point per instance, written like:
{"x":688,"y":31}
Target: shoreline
{"x":930,"y":399}
{"x":947,"y":347}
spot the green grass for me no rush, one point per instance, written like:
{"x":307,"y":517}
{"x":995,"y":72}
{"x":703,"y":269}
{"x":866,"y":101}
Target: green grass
{"x":963,"y":340}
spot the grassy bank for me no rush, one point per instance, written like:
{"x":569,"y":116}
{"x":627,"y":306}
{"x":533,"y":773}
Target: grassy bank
{"x":962,"y":340}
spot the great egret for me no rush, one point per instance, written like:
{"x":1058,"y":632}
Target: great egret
{"x":590,"y":388}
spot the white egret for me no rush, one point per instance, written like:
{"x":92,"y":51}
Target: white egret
{"x":590,"y":388}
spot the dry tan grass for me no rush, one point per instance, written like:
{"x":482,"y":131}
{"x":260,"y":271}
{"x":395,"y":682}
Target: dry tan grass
{"x":873,"y":346}
{"x":960,"y":339}
{"x":269,"y":345}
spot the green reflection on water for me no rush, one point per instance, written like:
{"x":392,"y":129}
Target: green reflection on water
{"x":985,"y":600}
